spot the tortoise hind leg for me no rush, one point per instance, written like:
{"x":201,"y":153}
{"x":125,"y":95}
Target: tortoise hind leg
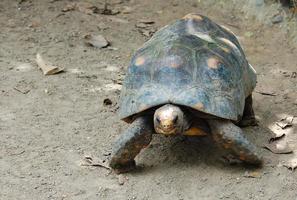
{"x":248,"y":118}
{"x":130,"y":143}
{"x":230,"y":137}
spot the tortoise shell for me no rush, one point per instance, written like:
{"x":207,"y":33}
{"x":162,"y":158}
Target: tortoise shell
{"x":192,"y":62}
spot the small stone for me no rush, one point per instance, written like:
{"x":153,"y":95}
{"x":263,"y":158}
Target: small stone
{"x":96,"y":41}
{"x":277,"y":19}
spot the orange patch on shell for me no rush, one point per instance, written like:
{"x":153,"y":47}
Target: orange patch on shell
{"x":193,"y":16}
{"x":199,"y":106}
{"x":139,"y":61}
{"x":213,"y":63}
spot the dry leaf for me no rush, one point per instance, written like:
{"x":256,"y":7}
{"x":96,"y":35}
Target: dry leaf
{"x":279,"y":147}
{"x":146,"y":21}
{"x":96,"y":41}
{"x":89,"y":161}
{"x":277,"y":137}
{"x":266,"y":93}
{"x":285,"y":122}
{"x":47,"y":69}
{"x":83,"y":7}
{"x":254,"y":174}
{"x":291,"y":164}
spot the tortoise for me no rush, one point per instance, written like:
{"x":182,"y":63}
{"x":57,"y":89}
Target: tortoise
{"x":191,"y":78}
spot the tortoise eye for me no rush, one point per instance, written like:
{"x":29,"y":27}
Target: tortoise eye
{"x":158,"y":120}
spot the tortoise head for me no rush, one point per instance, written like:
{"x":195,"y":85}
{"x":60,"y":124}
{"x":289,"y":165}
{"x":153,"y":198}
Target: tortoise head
{"x":169,"y":120}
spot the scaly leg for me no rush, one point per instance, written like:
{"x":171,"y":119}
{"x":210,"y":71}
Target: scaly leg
{"x":231,"y":137}
{"x":130,"y":143}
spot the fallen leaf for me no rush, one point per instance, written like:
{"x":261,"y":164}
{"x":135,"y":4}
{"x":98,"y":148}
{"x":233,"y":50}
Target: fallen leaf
{"x":23,"y":87}
{"x":254,"y":174}
{"x":146,"y":21}
{"x":279,"y":147}
{"x":96,"y":41}
{"x":141,"y":25}
{"x":118,"y":20}
{"x":291,"y":164}
{"x":47,"y":69}
{"x":277,"y":137}
{"x":285,"y":122}
{"x":83,"y":7}
{"x":266,"y":93}
{"x":89,"y":161}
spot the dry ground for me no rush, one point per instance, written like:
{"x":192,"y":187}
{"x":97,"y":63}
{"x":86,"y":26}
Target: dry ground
{"x":49,"y":123}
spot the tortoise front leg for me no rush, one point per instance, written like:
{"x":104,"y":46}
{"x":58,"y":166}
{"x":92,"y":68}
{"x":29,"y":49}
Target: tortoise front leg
{"x":231,"y":137}
{"x":130,"y":143}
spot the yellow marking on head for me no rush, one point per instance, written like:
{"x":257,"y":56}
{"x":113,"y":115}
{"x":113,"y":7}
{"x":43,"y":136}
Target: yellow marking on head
{"x":213,"y":62}
{"x":193,"y":16}
{"x":195,"y":131}
{"x":139,"y":61}
{"x":199,"y":106}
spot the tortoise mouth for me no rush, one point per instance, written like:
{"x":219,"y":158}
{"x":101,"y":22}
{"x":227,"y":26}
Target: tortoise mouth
{"x":167,"y":131}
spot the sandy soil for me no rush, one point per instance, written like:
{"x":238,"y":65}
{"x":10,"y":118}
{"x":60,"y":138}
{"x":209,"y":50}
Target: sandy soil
{"x":48,"y":124}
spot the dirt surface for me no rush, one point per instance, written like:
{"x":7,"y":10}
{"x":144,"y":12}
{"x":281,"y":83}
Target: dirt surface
{"x":48,"y":124}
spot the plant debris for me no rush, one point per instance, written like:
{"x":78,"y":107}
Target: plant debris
{"x":23,"y":87}
{"x":88,"y":8}
{"x":47,"y":69}
{"x":267,"y":93}
{"x":253,"y":174}
{"x":89,"y":161}
{"x":97,"y":41}
{"x":285,"y":122}
{"x":291,"y":164}
{"x":279,"y":147}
